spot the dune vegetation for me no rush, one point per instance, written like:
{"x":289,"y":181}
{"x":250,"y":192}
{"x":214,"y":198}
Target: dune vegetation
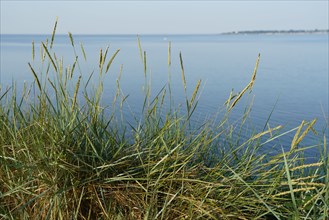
{"x":66,"y":155}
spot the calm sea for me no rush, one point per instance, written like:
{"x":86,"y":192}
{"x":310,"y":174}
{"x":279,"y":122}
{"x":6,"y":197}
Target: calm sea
{"x":292,"y":77}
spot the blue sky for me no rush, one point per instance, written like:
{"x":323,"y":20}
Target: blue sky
{"x":160,"y":17}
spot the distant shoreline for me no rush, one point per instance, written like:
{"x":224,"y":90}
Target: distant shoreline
{"x":277,"y":32}
{"x":254,"y":32}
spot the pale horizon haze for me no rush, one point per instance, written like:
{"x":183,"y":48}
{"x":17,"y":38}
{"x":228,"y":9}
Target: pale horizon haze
{"x":160,"y":17}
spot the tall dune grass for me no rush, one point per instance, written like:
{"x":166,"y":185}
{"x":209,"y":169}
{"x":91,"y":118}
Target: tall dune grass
{"x":64,"y":155}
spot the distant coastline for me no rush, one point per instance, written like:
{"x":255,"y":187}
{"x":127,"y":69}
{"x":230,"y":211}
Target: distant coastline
{"x":250,"y":32}
{"x":272,"y":32}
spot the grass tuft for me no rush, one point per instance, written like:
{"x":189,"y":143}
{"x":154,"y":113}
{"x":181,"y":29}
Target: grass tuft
{"x":65,"y":155}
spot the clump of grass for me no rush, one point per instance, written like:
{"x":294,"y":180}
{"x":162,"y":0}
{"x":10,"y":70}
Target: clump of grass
{"x":66,"y":156}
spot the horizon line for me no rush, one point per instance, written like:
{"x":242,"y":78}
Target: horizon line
{"x":219,"y":33}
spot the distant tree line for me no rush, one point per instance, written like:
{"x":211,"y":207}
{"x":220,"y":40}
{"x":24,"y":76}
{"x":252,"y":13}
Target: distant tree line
{"x":315,"y":31}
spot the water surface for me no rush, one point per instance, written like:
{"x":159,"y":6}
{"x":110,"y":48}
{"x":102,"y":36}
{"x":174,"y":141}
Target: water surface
{"x":292,"y":74}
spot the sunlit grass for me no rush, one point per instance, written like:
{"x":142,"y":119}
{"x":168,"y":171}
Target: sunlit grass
{"x":66,"y":156}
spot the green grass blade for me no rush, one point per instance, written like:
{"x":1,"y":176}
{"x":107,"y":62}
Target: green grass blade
{"x":140,"y":49}
{"x":111,"y":60}
{"x":76,"y":94}
{"x":35,"y":76}
{"x":182,"y":69}
{"x":53,"y":34}
{"x":144,"y":62}
{"x":33,"y":51}
{"x":292,"y":194}
{"x":169,"y":53}
{"x":71,"y":39}
{"x":271,"y":210}
{"x":83,"y":51}
{"x":5,"y":93}
{"x":51,"y":59}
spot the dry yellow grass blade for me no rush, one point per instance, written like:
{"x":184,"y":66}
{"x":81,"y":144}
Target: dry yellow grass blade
{"x":295,"y":190}
{"x":195,"y":92}
{"x":306,"y":166}
{"x":249,"y":86}
{"x":297,"y":139}
{"x":76,"y":93}
{"x":306,"y":178}
{"x":296,"y":183}
{"x":270,"y":130}
{"x":309,"y":127}
{"x":293,"y":143}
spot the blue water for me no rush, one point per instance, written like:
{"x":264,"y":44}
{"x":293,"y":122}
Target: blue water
{"x":292,"y":74}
